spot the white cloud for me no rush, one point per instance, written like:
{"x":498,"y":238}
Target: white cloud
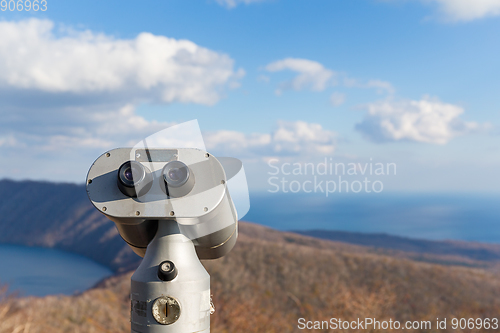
{"x":63,"y":148}
{"x":288,"y":139}
{"x":234,"y":3}
{"x":263,"y":78}
{"x":94,"y":130}
{"x":456,"y":10}
{"x":426,"y":120}
{"x":311,"y":74}
{"x":467,"y":10}
{"x":66,"y":96}
{"x":337,"y":99}
{"x":315,"y":76}
{"x":379,"y":85}
{"x":33,"y":57}
{"x":9,"y":141}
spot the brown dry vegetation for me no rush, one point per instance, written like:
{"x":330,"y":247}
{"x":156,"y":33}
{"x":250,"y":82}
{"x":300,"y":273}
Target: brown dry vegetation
{"x":271,"y":279}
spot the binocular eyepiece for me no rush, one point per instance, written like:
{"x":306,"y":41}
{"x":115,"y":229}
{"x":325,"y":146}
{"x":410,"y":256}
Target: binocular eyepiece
{"x":140,"y":188}
{"x":135,"y":179}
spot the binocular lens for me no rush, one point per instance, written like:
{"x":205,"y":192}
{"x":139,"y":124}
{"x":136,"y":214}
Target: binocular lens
{"x":129,"y":175}
{"x":134,"y":179}
{"x":178,"y":179}
{"x":175,"y":173}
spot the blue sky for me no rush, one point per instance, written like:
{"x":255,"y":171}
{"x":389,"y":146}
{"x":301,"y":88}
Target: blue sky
{"x":410,"y":82}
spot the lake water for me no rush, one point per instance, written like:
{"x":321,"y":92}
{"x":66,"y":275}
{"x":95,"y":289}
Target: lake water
{"x":425,"y":216}
{"x":39,"y":271}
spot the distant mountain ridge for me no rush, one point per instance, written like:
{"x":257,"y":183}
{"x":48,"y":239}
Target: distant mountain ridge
{"x":471,"y":250}
{"x":60,"y":215}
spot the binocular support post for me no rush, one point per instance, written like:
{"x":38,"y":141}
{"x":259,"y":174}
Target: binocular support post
{"x":170,"y":290}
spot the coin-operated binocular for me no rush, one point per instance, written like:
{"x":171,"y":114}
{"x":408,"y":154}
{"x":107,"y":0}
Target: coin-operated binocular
{"x":173,"y":208}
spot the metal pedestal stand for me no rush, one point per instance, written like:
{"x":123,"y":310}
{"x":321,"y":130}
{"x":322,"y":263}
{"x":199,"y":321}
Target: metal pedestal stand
{"x":170,"y":291}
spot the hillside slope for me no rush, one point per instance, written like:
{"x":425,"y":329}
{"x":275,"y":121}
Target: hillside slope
{"x":268,"y":282}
